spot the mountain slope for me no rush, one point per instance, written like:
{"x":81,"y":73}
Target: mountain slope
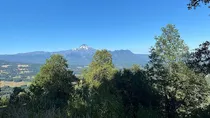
{"x":79,"y":56}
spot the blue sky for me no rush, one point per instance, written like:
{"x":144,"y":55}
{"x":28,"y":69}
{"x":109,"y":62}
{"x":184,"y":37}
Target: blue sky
{"x":51,"y":25}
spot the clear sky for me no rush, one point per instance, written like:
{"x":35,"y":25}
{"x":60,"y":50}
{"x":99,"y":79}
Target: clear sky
{"x":52,"y":25}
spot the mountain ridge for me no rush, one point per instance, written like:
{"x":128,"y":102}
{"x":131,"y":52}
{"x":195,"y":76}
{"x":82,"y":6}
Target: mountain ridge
{"x":78,"y":56}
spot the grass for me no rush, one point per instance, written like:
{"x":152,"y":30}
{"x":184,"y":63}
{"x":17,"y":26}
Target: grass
{"x":13,"y":84}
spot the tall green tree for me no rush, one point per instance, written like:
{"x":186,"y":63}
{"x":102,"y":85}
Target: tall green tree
{"x":95,"y":96}
{"x":102,"y":57}
{"x":100,"y":68}
{"x":169,"y":46}
{"x":179,"y":86}
{"x":53,"y":83}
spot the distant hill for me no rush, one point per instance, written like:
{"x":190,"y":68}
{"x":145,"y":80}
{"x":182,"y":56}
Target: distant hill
{"x":79,"y":56}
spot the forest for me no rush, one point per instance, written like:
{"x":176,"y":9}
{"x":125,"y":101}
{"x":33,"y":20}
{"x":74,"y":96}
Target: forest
{"x":173,"y":84}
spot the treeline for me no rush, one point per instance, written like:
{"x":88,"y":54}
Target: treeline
{"x":171,"y":85}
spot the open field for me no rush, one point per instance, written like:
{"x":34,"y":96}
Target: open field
{"x":13,"y":84}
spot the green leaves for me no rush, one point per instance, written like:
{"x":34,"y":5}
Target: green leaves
{"x":199,"y":60}
{"x":181,"y":88}
{"x":100,"y":68}
{"x":169,"y":46}
{"x":54,"y":81}
{"x":96,"y":97}
{"x":102,"y":57}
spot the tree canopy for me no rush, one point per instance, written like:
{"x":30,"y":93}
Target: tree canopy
{"x":199,"y":60}
{"x":177,"y":84}
{"x":169,"y":45}
{"x":54,"y":81}
{"x":100,"y":68}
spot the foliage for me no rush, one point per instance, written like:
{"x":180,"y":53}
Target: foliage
{"x":4,"y":100}
{"x":101,"y":58}
{"x":181,"y":88}
{"x":136,"y":92}
{"x":196,"y":3}
{"x":19,"y":96}
{"x":54,"y":81}
{"x":135,"y":68}
{"x":199,"y":60}
{"x":129,"y":92}
{"x":95,"y":96}
{"x":100,"y":68}
{"x":169,"y":46}
{"x":24,"y":112}
{"x":201,"y":112}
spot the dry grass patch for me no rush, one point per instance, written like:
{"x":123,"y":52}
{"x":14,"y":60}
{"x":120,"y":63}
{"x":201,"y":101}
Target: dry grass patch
{"x":13,"y":84}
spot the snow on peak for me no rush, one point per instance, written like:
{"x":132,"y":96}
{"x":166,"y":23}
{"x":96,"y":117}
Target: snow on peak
{"x":84,"y":46}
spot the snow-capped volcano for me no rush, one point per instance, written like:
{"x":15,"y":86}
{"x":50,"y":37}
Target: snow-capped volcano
{"x":79,"y":56}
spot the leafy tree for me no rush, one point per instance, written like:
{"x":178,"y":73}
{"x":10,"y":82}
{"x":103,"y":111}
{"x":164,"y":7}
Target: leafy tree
{"x":196,"y":3}
{"x":137,"y":93}
{"x":187,"y":91}
{"x":100,"y":68}
{"x":199,"y":60}
{"x":169,"y":46}
{"x":180,"y":87}
{"x":95,"y":96}
{"x":53,"y":83}
{"x":102,"y":57}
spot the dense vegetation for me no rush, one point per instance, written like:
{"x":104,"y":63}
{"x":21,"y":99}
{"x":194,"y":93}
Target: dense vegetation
{"x":172,"y":85}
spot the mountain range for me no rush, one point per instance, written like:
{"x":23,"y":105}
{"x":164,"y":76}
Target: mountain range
{"x":79,"y":56}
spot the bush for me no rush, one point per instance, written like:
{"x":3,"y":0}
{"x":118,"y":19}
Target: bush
{"x":4,"y":101}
